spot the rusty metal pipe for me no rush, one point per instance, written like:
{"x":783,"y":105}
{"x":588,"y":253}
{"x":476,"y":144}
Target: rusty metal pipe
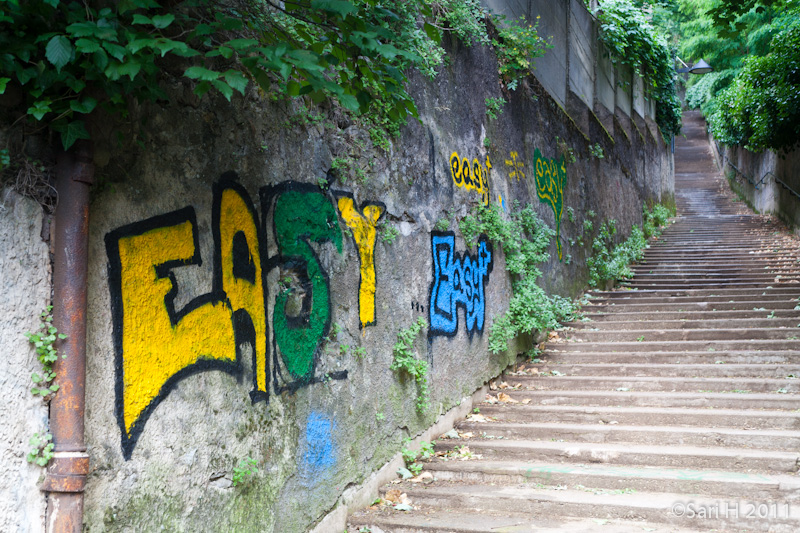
{"x":66,"y":476}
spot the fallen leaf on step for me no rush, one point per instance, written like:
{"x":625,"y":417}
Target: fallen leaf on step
{"x":613,"y":422}
{"x":526,"y":401}
{"x":490,"y":399}
{"x":403,"y":507}
{"x":425,"y":477}
{"x":404,"y":473}
{"x":466,"y":435}
{"x":474,"y":417}
{"x":551,"y":336}
{"x":393,"y":495}
{"x":492,"y":385}
{"x":404,"y":499}
{"x":601,"y":521}
{"x":505,"y":398}
{"x":533,"y":371}
{"x":503,"y":385}
{"x":452,"y":434}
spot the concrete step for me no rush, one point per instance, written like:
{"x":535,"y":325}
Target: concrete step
{"x":764,"y":439}
{"x":713,"y":370}
{"x":665,"y":508}
{"x":705,"y":357}
{"x":622,"y":398}
{"x":660,"y":416}
{"x":757,"y":305}
{"x":663,"y":384}
{"x":636,"y":298}
{"x":609,"y":326}
{"x":427,"y":519}
{"x":721,"y":291}
{"x":694,"y":457}
{"x":681,"y":335}
{"x":678,"y":284}
{"x":602,"y":477}
{"x":675,"y":346}
{"x":681,"y":314}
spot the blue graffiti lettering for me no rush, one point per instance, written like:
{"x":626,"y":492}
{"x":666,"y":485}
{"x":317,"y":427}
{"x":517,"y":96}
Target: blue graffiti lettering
{"x":458,"y":281}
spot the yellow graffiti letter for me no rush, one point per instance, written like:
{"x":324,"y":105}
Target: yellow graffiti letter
{"x":157,"y":341}
{"x":363,"y":227}
{"x":241,"y":271}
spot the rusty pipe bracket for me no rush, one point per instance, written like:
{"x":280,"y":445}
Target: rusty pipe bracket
{"x":79,"y":164}
{"x":67,"y":472}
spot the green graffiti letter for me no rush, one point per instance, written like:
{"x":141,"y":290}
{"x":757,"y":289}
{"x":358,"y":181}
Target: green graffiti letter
{"x":302,"y":217}
{"x":551,"y":178}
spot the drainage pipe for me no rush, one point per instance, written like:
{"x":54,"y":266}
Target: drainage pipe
{"x":66,"y":476}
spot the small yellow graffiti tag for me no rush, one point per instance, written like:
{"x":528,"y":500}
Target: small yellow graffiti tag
{"x":471,"y":177}
{"x":516,"y":166}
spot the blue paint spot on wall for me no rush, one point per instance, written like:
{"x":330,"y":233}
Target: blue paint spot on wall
{"x":317,"y":448}
{"x":458,"y":281}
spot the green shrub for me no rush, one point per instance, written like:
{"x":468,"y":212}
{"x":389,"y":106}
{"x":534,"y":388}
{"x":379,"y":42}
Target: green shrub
{"x":524,"y":239}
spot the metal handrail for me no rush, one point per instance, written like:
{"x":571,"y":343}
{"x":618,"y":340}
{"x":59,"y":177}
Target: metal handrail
{"x":727,"y":161}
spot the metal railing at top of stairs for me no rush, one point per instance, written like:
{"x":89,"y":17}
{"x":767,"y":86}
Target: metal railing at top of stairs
{"x":726,"y":161}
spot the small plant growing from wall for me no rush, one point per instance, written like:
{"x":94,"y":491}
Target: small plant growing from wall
{"x":565,"y":151}
{"x":609,"y":262}
{"x":43,"y":341}
{"x":494,"y":107}
{"x":243,"y":472}
{"x":41,"y":449}
{"x":597,"y":151}
{"x":414,"y":458}
{"x":518,"y":45}
{"x":405,"y":361}
{"x":388,"y":233}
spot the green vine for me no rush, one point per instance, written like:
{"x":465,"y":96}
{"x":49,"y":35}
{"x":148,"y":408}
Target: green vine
{"x":524,"y":238}
{"x":405,"y":360}
{"x":43,"y":341}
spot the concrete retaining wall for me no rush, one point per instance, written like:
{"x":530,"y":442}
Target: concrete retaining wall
{"x":25,"y":292}
{"x":769,"y":182}
{"x":578,"y":72}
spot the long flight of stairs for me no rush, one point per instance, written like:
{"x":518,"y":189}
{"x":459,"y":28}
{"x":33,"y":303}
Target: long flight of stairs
{"x":674,"y":407}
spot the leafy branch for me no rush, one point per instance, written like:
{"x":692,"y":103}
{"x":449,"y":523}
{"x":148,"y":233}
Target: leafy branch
{"x":69,"y":58}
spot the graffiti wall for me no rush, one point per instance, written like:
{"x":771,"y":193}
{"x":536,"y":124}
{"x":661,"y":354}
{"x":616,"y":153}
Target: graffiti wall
{"x":246,"y":298}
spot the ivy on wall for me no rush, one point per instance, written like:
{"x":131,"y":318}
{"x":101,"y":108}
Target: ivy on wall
{"x":635,"y":42}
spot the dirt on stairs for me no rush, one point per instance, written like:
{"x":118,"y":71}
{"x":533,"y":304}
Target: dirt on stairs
{"x":675,"y":405}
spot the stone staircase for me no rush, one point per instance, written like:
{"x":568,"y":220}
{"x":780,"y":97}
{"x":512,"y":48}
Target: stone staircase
{"x":674,"y":407}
